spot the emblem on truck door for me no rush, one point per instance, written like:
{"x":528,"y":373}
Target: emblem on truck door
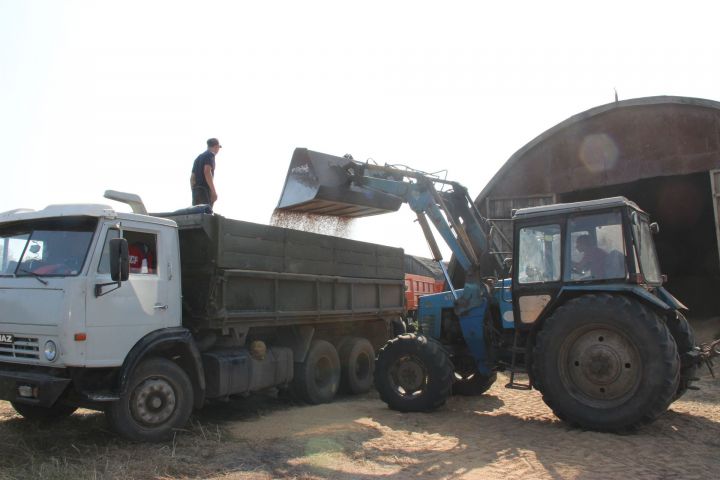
{"x":6,"y":338}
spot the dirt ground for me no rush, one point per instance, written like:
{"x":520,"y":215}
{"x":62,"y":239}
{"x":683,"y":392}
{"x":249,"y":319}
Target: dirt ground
{"x":504,"y":434}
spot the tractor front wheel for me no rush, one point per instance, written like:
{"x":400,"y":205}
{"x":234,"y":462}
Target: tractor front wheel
{"x":606,"y":362}
{"x":413,"y":373}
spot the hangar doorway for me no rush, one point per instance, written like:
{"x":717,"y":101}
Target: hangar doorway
{"x":687,"y":244}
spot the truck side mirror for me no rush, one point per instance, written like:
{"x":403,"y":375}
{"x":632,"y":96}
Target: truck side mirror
{"x":119,"y":260}
{"x":654,"y":228}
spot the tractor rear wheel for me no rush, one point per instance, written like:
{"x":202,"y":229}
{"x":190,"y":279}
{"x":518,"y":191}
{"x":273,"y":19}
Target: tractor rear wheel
{"x":684,"y":337}
{"x":413,"y":373}
{"x":606,"y":362}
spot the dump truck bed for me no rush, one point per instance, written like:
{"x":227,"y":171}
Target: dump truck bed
{"x":237,"y":273}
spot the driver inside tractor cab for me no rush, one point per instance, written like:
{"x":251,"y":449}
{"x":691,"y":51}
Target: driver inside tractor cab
{"x":593,"y":257}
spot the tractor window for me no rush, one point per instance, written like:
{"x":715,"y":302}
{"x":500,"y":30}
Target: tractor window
{"x":596,"y":248}
{"x":539,"y":254}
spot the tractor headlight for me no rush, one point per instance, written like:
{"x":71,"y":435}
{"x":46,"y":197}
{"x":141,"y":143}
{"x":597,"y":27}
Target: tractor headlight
{"x":50,"y":351}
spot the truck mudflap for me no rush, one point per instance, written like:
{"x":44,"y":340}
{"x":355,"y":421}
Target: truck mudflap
{"x":32,"y":388}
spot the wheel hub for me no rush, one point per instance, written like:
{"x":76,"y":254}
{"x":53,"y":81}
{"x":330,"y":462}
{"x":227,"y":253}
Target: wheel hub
{"x":600,"y":366}
{"x":154,"y":401}
{"x":408,"y":376}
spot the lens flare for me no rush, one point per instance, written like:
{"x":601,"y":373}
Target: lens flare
{"x":598,"y":152}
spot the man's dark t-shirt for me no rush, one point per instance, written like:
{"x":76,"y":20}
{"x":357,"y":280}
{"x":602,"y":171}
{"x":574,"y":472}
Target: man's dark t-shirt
{"x":205,"y":158}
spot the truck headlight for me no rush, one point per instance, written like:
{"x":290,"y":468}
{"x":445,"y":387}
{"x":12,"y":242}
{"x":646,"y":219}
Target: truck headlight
{"x":50,"y":351}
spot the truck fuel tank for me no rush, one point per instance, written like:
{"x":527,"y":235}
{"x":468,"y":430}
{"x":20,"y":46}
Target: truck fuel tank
{"x":320,"y":184}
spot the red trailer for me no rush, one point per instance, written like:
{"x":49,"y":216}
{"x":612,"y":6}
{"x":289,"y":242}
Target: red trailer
{"x":415,"y":287}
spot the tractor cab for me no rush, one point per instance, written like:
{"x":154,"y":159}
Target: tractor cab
{"x":600,"y":245}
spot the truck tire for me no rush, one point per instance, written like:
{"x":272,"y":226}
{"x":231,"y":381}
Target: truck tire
{"x":357,"y":359}
{"x":159,"y":398}
{"x":34,"y":412}
{"x":606,"y":362}
{"x":316,"y":380}
{"x":413,"y":373}
{"x":467,"y":380}
{"x":684,"y":337}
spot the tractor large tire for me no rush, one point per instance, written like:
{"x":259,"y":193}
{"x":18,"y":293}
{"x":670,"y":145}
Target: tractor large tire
{"x":684,"y":337}
{"x":606,"y":362}
{"x":316,"y":380}
{"x":159,"y":398}
{"x":45,"y":414}
{"x":357,"y":360}
{"x":413,"y":373}
{"x":468,"y":381}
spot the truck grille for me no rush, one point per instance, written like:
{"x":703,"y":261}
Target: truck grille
{"x":23,"y":347}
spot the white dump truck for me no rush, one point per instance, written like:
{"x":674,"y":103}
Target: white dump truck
{"x":146,"y":317}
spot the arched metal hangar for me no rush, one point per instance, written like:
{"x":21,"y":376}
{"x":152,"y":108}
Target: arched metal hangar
{"x":661,"y":152}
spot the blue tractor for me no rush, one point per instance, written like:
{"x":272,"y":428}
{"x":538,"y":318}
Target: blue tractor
{"x":578,"y":308}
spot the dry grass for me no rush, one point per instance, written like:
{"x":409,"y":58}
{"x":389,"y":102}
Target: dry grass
{"x":82,"y":447}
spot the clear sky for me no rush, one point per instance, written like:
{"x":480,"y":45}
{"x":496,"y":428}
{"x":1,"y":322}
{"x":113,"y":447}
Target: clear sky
{"x":98,"y":95}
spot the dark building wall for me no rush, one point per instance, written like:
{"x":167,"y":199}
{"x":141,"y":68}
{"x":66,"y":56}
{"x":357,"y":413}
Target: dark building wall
{"x":687,"y":244}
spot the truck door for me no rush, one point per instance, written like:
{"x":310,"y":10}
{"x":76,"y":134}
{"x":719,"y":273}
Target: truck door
{"x":117,"y":319}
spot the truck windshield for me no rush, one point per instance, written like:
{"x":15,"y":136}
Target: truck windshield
{"x":47,"y":247}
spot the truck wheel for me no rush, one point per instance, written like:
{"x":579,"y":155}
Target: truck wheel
{"x":33,"y":412}
{"x":316,"y":380}
{"x":159,"y":398}
{"x":357,"y":358}
{"x":684,"y":337}
{"x":606,"y":362}
{"x":468,"y":382}
{"x":413,"y":373}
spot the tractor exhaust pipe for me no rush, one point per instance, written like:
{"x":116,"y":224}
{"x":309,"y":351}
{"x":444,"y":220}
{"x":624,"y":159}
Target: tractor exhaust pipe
{"x":322,"y":184}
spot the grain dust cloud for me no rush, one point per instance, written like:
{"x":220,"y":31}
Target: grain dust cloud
{"x":309,"y":222}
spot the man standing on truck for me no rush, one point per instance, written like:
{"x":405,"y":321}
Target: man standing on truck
{"x":202,"y":178}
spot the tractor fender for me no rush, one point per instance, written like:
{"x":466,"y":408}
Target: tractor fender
{"x":668,"y":298}
{"x":176,"y":344}
{"x":635,"y":290}
{"x":663,"y":305}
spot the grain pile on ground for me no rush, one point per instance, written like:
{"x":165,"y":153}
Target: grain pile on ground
{"x":504,"y":434}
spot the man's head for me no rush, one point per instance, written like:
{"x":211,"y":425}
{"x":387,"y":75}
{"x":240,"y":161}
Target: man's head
{"x":584,"y":242}
{"x":213,"y":145}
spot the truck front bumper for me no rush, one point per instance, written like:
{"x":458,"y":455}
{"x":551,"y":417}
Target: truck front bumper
{"x":33,"y":388}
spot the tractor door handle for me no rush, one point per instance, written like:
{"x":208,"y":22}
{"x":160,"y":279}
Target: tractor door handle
{"x":158,"y":306}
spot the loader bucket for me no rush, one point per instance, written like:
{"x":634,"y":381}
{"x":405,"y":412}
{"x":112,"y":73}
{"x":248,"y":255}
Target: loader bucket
{"x":320,"y":184}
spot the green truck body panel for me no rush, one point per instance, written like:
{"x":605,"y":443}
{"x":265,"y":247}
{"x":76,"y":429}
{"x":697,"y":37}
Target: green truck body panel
{"x":242,"y":274}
